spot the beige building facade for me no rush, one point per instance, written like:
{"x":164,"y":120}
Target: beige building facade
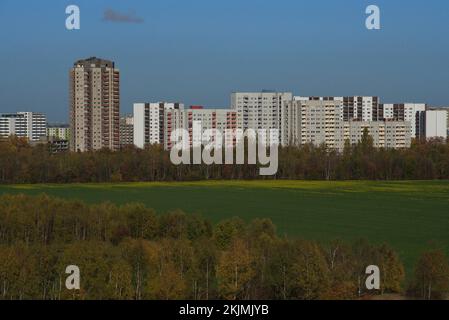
{"x":94,"y":105}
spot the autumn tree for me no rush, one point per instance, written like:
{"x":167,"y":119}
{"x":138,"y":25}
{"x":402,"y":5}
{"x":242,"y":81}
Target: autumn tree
{"x":310,"y":272}
{"x":391,"y":270}
{"x":235,"y":271}
{"x":431,"y":278}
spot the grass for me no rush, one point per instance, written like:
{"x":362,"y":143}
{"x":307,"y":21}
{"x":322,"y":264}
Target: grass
{"x":407,"y":215}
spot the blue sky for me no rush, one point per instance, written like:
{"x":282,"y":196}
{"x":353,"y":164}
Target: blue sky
{"x":198,"y":51}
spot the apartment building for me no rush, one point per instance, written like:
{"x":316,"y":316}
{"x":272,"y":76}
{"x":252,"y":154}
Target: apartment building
{"x":434,"y":124}
{"x":311,"y":121}
{"x":126,"y":130}
{"x":291,"y":121}
{"x":153,"y":122}
{"x":405,"y":112}
{"x":59,"y":131}
{"x":30,"y":125}
{"x":445,"y":111}
{"x":174,"y":119}
{"x":259,"y":110}
{"x":321,"y":121}
{"x":369,"y":108}
{"x":56,"y":145}
{"x":36,"y":125}
{"x":361,"y":108}
{"x":299,"y":120}
{"x":398,"y":134}
{"x":12,"y":124}
{"x":223,"y":120}
{"x":94,"y":105}
{"x":385,"y":134}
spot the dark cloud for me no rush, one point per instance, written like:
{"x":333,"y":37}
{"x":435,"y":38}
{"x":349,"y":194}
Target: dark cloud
{"x":114,"y":16}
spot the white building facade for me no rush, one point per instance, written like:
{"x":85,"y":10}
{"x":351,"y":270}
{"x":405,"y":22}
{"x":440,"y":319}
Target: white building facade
{"x":436,"y":124}
{"x":150,"y":124}
{"x":222,"y":120}
{"x":311,"y":121}
{"x":330,"y":121}
{"x":385,"y":134}
{"x":405,"y":112}
{"x":322,"y":122}
{"x":30,"y":125}
{"x":259,"y":110}
{"x":362,"y":108}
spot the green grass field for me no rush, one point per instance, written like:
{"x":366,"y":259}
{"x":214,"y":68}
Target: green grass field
{"x":407,"y":215}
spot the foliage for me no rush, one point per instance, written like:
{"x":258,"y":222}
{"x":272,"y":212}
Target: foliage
{"x":21,"y":163}
{"x":130,"y":252}
{"x":431,"y":278}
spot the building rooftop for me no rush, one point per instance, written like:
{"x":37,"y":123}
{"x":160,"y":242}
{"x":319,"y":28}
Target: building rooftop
{"x":96,"y":62}
{"x":58,"y":125}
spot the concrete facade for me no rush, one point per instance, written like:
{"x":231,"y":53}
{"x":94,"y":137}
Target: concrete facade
{"x":94,"y":105}
{"x":30,"y":125}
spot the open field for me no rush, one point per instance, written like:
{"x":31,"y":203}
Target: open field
{"x":407,"y":215}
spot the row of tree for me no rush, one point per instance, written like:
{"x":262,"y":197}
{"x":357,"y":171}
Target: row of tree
{"x":21,"y":163}
{"x":130,"y":252}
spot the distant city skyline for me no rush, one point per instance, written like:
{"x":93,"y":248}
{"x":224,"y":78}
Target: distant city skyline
{"x":198,"y":52}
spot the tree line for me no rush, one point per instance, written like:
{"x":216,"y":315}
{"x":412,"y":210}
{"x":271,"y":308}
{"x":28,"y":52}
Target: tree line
{"x":22,"y":163}
{"x":131,"y":252}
